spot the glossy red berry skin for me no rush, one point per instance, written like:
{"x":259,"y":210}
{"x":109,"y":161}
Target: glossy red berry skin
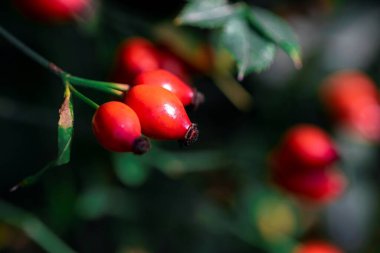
{"x":117,"y":128}
{"x":317,"y":247}
{"x":170,"y":82}
{"x":305,"y":147}
{"x":52,"y":10}
{"x":161,"y":113}
{"x":135,"y":55}
{"x":353,"y":100}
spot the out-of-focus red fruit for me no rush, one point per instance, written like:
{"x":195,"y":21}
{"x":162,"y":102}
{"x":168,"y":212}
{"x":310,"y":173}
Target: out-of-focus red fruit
{"x":52,"y":10}
{"x":339,"y":88}
{"x":173,"y":64}
{"x":352,"y":99}
{"x":172,"y":83}
{"x":317,"y":247}
{"x":161,"y":113}
{"x":316,"y":186}
{"x":302,"y":165}
{"x":305,"y":147}
{"x":366,"y":122}
{"x":117,"y":128}
{"x":135,"y":55}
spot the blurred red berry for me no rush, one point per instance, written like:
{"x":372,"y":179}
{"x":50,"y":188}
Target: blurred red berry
{"x":135,"y":55}
{"x":172,"y":83}
{"x":161,"y":113}
{"x":173,"y":64}
{"x":316,"y":186}
{"x":317,"y":247}
{"x":305,"y":147}
{"x":302,"y":164}
{"x":52,"y":10}
{"x":117,"y":128}
{"x":353,"y":100}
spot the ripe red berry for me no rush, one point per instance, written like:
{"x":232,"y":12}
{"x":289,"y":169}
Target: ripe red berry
{"x":173,"y":64}
{"x":305,"y":147}
{"x":172,"y":83}
{"x":317,"y":247}
{"x":52,"y":10}
{"x":161,"y":114}
{"x":117,"y":128}
{"x":353,"y":100}
{"x":302,"y":165}
{"x":317,"y":186}
{"x":135,"y":55}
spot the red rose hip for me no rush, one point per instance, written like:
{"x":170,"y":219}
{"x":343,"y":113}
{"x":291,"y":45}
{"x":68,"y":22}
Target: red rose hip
{"x":117,"y":128}
{"x":317,"y":186}
{"x":135,"y":55}
{"x":305,"y":147}
{"x":172,"y":83}
{"x":161,"y":113}
{"x":353,"y":100}
{"x":317,"y":247}
{"x":52,"y":10}
{"x":173,"y":64}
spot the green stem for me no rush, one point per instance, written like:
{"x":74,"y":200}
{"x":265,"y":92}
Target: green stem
{"x":113,"y":88}
{"x":97,"y":84}
{"x":33,"y":227}
{"x":31,"y":53}
{"x":84,"y":98}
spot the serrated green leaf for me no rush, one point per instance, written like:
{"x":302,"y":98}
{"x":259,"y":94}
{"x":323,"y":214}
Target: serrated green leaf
{"x":278,"y":31}
{"x":262,"y":54}
{"x":65,"y":129}
{"x":251,"y":52}
{"x":206,"y":13}
{"x":130,"y":169}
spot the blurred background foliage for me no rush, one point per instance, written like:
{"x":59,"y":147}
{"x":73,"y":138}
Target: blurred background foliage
{"x":215,"y":196}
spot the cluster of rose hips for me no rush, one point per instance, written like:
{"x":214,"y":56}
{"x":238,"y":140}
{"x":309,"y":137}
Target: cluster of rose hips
{"x":303,"y":164}
{"x":137,"y":55}
{"x":353,"y":100}
{"x":139,"y":61}
{"x":154,"y":105}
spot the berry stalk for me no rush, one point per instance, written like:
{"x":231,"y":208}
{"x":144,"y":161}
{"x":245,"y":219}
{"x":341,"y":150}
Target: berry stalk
{"x":112,"y":88}
{"x":83,"y":97}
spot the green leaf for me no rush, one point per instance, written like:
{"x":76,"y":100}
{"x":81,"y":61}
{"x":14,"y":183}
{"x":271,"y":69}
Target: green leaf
{"x":65,"y":129}
{"x":65,"y":132}
{"x":205,"y":13}
{"x":278,"y":31}
{"x":251,"y":52}
{"x":130,"y":169}
{"x":32,"y":227}
{"x":93,"y":203}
